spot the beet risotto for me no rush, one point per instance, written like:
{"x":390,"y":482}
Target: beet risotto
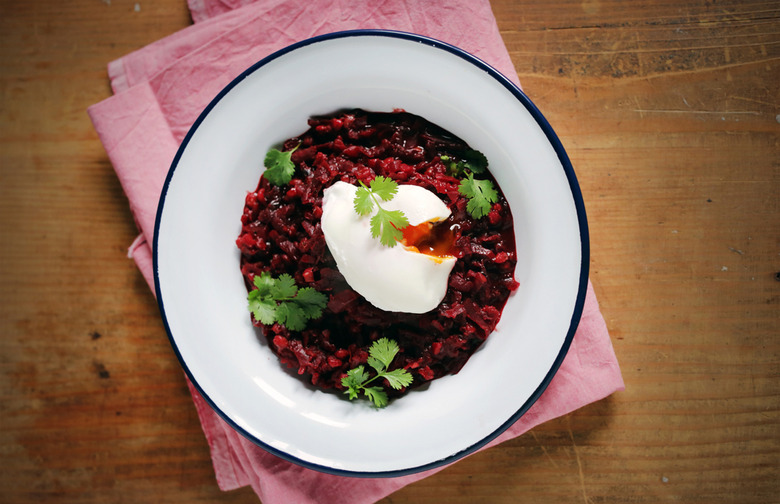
{"x":282,"y":234}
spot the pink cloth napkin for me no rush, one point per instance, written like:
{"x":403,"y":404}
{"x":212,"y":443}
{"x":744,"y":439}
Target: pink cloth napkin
{"x":162,"y":88}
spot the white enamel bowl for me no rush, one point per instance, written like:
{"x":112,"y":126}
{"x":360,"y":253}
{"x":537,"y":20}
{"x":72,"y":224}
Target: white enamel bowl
{"x":202,"y":296}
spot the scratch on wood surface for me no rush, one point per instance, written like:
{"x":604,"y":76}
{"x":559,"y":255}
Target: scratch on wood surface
{"x":544,"y":450}
{"x":641,"y":114}
{"x":717,"y":112}
{"x":753,"y":100}
{"x":585,"y":498}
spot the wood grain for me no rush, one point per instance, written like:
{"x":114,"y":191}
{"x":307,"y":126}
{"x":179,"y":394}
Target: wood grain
{"x":669,"y":112}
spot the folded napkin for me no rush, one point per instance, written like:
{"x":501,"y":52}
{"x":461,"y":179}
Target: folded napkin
{"x":159,"y":92}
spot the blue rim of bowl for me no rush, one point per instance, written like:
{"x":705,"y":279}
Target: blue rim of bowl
{"x":576,"y":195}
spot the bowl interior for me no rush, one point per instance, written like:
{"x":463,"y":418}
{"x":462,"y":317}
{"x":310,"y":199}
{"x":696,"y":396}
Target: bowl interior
{"x":202,"y":295}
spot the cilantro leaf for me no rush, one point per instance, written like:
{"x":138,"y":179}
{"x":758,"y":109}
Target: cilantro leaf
{"x":398,"y":378}
{"x":363,"y":203}
{"x":386,"y":225}
{"x":264,"y":284}
{"x":284,"y":287}
{"x":397,"y":219}
{"x":375,"y":363}
{"x":291,"y":316}
{"x":310,"y":301}
{"x":279,"y":166}
{"x":354,"y":380}
{"x":377,"y":396}
{"x":381,"y":355}
{"x":263,"y":310}
{"x":278,"y":300}
{"x":384,"y":188}
{"x":475,"y":161}
{"x":377,"y":222}
{"x":384,"y":350}
{"x":481,"y":194}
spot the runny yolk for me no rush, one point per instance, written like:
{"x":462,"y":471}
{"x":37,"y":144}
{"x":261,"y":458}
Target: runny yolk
{"x":433,"y":239}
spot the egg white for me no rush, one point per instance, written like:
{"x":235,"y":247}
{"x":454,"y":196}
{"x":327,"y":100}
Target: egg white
{"x":397,"y":279}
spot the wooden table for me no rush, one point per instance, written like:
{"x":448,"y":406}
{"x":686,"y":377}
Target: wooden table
{"x":669,"y":112}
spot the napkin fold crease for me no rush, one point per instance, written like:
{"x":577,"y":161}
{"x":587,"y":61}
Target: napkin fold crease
{"x":159,"y":91}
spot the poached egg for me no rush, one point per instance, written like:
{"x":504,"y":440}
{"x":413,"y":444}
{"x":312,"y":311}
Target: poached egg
{"x":401,"y":278}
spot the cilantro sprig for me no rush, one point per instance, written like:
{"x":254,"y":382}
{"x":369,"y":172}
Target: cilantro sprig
{"x":279,"y":166}
{"x":481,"y":193}
{"x":280,"y":300}
{"x":387,"y":225}
{"x":381,"y":355}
